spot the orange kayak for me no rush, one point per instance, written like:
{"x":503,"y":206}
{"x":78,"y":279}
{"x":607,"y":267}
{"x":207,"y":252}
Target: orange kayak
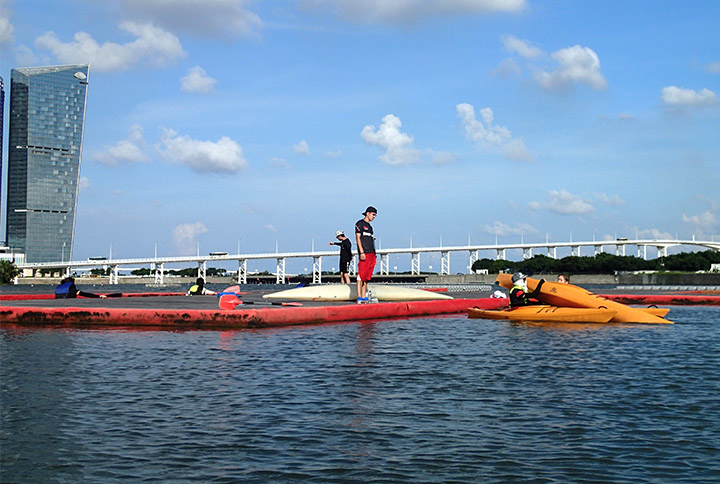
{"x":567,"y":295}
{"x":545,"y":313}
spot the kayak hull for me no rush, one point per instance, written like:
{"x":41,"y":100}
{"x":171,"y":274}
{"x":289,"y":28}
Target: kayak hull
{"x":568,"y":295}
{"x":348,"y":292}
{"x":545,"y":313}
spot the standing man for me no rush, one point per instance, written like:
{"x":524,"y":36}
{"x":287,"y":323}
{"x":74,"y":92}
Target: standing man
{"x":345,"y":255}
{"x":366,"y":252}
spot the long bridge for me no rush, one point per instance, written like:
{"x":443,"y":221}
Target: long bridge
{"x":157,"y":264}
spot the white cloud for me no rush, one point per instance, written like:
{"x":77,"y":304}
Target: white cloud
{"x":576,"y":64}
{"x":612,"y":200}
{"x":484,"y":132}
{"x":706,"y":220}
{"x":653,"y":234}
{"x":522,"y":47}
{"x":507,"y":68}
{"x":223,"y":156}
{"x":207,"y":18}
{"x":334,"y":154}
{"x":678,"y":96}
{"x":83,"y":183}
{"x":441,"y":157}
{"x":7,"y":34}
{"x":502,"y":229}
{"x":302,"y":148}
{"x":563,"y":202}
{"x":185,"y":237}
{"x":127,"y":150}
{"x":197,"y":80}
{"x":397,"y":145}
{"x":279,"y":163}
{"x":153,"y":47}
{"x":409,"y":11}
{"x":515,"y":149}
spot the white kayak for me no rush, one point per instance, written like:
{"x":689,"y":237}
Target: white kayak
{"x":348,"y":292}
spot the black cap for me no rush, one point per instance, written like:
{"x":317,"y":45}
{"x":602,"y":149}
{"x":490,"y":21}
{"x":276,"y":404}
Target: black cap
{"x":370,"y":209}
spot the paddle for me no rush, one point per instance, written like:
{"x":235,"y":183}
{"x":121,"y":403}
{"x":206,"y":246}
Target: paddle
{"x":230,"y":300}
{"x":233,"y":289}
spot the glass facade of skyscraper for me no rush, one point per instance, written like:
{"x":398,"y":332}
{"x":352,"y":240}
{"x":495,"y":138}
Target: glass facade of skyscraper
{"x":47,"y":114}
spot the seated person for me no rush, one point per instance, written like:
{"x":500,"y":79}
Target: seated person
{"x":67,"y":290}
{"x":199,"y":288}
{"x":563,"y":279}
{"x":520,"y":295}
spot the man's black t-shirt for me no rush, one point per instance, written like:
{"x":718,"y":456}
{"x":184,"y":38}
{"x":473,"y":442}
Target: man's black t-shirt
{"x":366,"y":236}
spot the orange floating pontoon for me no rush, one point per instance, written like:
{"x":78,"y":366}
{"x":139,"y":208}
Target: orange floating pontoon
{"x":567,"y":295}
{"x":243,"y":318}
{"x":546,"y":314}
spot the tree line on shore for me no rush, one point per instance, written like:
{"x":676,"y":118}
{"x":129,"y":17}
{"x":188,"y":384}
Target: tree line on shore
{"x":602,"y":264}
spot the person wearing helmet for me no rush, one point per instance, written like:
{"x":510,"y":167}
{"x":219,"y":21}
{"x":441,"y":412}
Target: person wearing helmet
{"x":520,"y":295}
{"x":345,"y":255}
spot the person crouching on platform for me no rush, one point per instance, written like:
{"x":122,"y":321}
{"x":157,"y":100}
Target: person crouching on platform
{"x":520,"y":295}
{"x":366,"y":252}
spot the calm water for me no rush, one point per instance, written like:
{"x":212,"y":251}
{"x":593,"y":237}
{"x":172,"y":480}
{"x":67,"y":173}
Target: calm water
{"x":404,"y":401}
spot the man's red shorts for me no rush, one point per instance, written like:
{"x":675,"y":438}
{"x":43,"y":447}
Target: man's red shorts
{"x":366,"y":267}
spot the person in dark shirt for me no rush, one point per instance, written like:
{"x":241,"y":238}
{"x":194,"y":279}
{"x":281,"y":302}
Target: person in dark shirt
{"x":345,"y":255}
{"x":520,"y":295}
{"x":365,"y":239}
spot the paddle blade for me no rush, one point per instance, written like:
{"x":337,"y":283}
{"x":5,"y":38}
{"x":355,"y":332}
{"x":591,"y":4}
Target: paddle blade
{"x":228,"y":301}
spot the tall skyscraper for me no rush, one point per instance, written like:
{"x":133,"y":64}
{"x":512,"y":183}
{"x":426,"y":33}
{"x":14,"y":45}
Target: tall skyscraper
{"x":47,"y":116}
{"x":2,"y":144}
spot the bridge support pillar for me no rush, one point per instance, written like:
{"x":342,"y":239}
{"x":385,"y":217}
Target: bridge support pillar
{"x":384,"y":264}
{"x":500,"y":254}
{"x":202,"y":270}
{"x":317,"y":270}
{"x":415,"y":263}
{"x":280,"y":274}
{"x":114,"y":275}
{"x":242,"y":271}
{"x":445,"y":263}
{"x":159,"y":273}
{"x":527,"y":253}
{"x":575,"y":251}
{"x":474,"y":256}
{"x":552,"y":252}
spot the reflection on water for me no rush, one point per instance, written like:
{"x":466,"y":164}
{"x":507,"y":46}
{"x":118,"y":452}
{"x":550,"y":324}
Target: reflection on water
{"x":422,"y":400}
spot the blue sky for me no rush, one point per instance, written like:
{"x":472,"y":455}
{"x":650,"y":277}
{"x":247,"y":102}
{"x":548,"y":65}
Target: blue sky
{"x":273,"y":124}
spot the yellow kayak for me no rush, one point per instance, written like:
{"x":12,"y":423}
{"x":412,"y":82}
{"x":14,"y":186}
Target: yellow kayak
{"x":546,"y":314}
{"x":567,"y":295}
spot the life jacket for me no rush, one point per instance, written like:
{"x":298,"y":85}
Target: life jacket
{"x":518,"y":296}
{"x":194,"y":290}
{"x":65,"y":290}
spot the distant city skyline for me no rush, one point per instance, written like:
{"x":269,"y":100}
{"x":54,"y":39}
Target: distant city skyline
{"x":224,"y":124}
{"x":47,"y":106}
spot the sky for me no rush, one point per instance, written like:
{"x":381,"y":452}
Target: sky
{"x":265,"y":126}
